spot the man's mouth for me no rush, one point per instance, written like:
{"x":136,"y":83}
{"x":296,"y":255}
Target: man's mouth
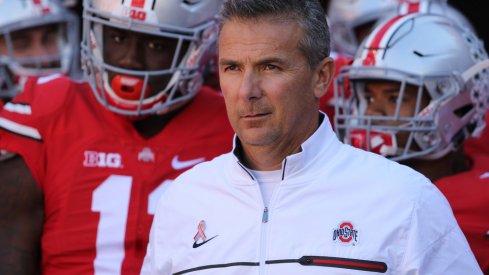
{"x":258,"y":115}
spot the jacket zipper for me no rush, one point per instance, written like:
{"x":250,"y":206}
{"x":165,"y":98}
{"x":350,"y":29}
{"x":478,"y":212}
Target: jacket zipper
{"x":264,"y":225}
{"x":263,"y":240}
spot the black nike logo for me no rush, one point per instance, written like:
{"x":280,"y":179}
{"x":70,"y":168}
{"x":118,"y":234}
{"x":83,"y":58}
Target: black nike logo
{"x":199,"y":244}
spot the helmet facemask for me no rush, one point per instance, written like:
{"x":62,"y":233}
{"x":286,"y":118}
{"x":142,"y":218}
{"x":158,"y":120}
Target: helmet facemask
{"x":442,"y":113}
{"x":8,"y":89}
{"x":39,"y":46}
{"x":144,"y":84}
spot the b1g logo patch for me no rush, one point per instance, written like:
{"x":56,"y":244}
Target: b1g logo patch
{"x":346,"y":234}
{"x":102,"y":160}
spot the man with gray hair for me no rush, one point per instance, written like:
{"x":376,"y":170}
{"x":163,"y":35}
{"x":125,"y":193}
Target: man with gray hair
{"x":290,"y":198}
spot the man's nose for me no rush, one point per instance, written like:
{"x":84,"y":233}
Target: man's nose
{"x":132,"y":58}
{"x":249,"y":88}
{"x":375,"y":108}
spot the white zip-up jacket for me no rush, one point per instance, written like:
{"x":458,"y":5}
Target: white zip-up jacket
{"x":337,"y":210}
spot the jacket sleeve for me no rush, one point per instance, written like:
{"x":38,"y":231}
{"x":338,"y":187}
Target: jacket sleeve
{"x":435,"y":243}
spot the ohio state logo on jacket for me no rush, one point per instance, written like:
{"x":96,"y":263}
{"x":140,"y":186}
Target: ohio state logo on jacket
{"x":346,"y":234}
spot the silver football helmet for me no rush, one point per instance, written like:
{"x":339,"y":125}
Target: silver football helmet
{"x":440,"y":7}
{"x":346,"y":17}
{"x":21,"y":16}
{"x":444,"y":62}
{"x":192,"y":27}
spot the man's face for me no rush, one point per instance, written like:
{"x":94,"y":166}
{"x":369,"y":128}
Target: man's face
{"x":140,"y":52}
{"x":32,"y":43}
{"x":382,"y":98}
{"x":266,"y":81}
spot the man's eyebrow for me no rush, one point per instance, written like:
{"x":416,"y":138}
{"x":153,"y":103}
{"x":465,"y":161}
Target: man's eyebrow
{"x":389,"y":90}
{"x":392,"y":90}
{"x":19,"y":35}
{"x":264,"y":61}
{"x":269,"y":60}
{"x":224,"y":62}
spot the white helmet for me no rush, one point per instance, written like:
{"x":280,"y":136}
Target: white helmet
{"x":19,"y":15}
{"x":346,"y":16}
{"x":191,"y":24}
{"x":446,"y":62}
{"x":440,"y":7}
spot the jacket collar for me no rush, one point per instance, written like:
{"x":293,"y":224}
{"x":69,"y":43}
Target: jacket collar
{"x":320,"y":142}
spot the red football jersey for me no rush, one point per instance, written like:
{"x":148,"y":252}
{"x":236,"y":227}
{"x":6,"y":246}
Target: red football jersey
{"x":101,"y":180}
{"x":468,"y":194}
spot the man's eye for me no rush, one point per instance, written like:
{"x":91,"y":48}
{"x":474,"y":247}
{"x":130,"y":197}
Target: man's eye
{"x":156,"y":45}
{"x":270,"y":67}
{"x":21,"y":44}
{"x":393,"y":99}
{"x":231,"y":68}
{"x":369,"y":99}
{"x":117,"y":38}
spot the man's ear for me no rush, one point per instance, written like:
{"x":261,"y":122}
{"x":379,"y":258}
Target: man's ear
{"x":324,"y":75}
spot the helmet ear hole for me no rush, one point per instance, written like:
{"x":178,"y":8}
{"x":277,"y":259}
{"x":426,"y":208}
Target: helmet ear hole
{"x":459,"y":137}
{"x":464,"y":110}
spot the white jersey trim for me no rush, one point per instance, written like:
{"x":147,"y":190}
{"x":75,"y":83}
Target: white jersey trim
{"x":20,"y":129}
{"x":18,"y":108}
{"x":46,"y":79}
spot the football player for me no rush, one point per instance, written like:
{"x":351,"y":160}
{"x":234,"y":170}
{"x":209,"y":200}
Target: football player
{"x":36,"y":38}
{"x":352,"y":21}
{"x":95,"y":156}
{"x":416,"y":98}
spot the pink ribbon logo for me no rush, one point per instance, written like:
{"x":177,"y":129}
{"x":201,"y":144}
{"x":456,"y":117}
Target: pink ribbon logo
{"x":200,"y":233}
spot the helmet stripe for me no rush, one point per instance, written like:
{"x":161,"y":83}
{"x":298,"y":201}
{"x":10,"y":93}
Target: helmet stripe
{"x":373,"y":45}
{"x":413,"y":7}
{"x":410,"y":6}
{"x":138,"y":3}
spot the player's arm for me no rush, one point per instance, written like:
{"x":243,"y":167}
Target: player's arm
{"x":21,"y":219}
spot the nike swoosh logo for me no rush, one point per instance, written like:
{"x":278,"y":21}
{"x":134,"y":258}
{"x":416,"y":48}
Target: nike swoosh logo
{"x":485,"y":175}
{"x":179,"y":165}
{"x":199,"y":244}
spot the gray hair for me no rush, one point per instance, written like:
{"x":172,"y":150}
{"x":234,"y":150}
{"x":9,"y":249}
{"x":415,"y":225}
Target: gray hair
{"x":309,"y":14}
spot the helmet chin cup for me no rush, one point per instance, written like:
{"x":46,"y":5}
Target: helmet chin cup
{"x":129,"y":87}
{"x":381,"y":143}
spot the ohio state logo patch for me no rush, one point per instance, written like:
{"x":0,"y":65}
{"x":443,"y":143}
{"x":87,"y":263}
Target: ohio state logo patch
{"x":346,"y":234}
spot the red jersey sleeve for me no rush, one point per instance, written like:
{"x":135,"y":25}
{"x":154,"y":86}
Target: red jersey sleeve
{"x":468,"y":195}
{"x":26,"y":120}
